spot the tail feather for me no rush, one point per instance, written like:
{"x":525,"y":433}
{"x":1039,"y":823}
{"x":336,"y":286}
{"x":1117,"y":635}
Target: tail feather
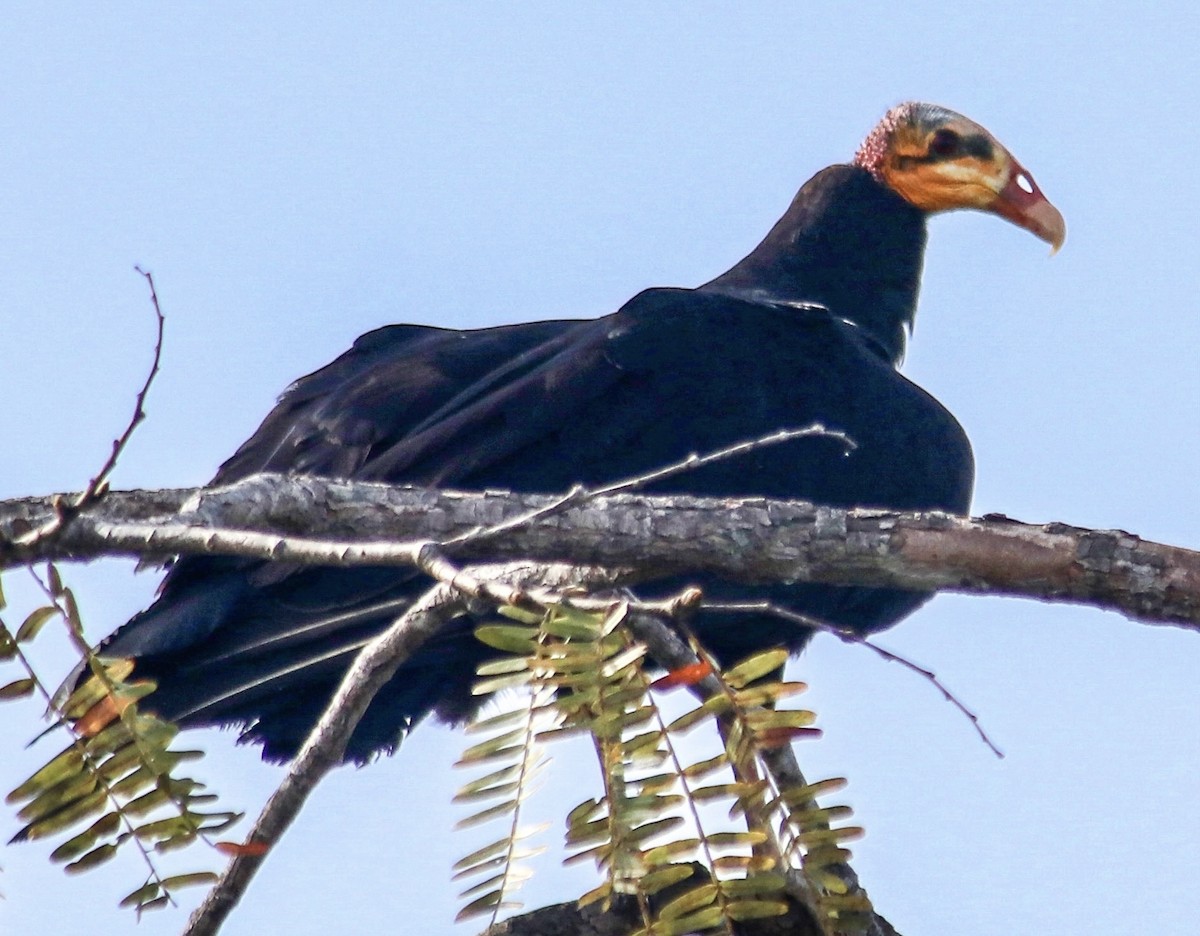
{"x":226,"y":651}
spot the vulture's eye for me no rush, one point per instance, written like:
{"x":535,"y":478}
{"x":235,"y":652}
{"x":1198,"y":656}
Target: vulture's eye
{"x":945,"y":143}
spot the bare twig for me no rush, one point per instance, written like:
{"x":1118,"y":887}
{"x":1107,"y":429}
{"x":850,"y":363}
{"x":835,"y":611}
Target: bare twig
{"x":375,"y":664}
{"x":67,"y":508}
{"x":846,"y":635}
{"x":323,"y":749}
{"x":99,"y":483}
{"x":579,"y":494}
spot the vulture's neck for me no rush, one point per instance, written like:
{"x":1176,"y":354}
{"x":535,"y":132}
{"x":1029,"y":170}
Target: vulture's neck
{"x":848,"y":243}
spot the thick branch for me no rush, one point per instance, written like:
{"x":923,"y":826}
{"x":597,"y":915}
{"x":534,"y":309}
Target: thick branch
{"x":754,"y":540}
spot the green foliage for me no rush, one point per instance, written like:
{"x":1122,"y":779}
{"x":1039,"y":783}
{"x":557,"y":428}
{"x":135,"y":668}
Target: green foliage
{"x":584,"y":672}
{"x":115,"y":783}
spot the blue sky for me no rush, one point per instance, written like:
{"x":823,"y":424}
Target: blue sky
{"x":295,"y":175}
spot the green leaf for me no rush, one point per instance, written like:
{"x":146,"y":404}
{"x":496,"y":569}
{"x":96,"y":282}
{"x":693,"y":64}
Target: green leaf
{"x":601,"y":853}
{"x":53,"y":579}
{"x":813,"y":837}
{"x":156,"y":904}
{"x":595,"y":830}
{"x":520,"y":614}
{"x":768,"y":882}
{"x":603,"y":892}
{"x":497,"y":847}
{"x":847,"y":903}
{"x":94,"y":688}
{"x":485,"y":815}
{"x":167,"y":828}
{"x":557,"y":734}
{"x":499,"y":789}
{"x":615,"y":617}
{"x":622,"y":660}
{"x":664,"y":853}
{"x":727,"y":839}
{"x":502,"y":666}
{"x":706,"y":767}
{"x":510,"y":753}
{"x":72,"y":848}
{"x":511,"y":638}
{"x":147,"y":802}
{"x":704,"y":919}
{"x":18,"y":688}
{"x":664,"y":877}
{"x":496,"y":684}
{"x":648,"y":739}
{"x":479,"y":906}
{"x":487,"y":781}
{"x":657,"y":783}
{"x":71,"y":609}
{"x":575,"y":626}
{"x":767,"y":719}
{"x":63,"y":818}
{"x":61,"y":795}
{"x":808,"y":793}
{"x":756,"y":909}
{"x":650,"y":829}
{"x":490,"y":865}
{"x":825,"y":856}
{"x":725,"y":790}
{"x":139,"y":897}
{"x":499,"y":720}
{"x":65,"y":764}
{"x":97,"y":856}
{"x":825,"y":876}
{"x":33,"y":624}
{"x":693,"y":900}
{"x":821,"y":817}
{"x":768,"y":693}
{"x":217,"y":822}
{"x":483,"y":886}
{"x":583,"y":812}
{"x":712,"y":706}
{"x":571,"y":705}
{"x":191,"y":879}
{"x":755,"y":667}
{"x":493,"y":743}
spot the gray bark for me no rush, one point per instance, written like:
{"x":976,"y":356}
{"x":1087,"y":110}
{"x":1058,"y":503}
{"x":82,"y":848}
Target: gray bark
{"x":313,"y":520}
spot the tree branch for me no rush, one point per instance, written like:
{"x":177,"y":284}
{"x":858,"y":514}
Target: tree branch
{"x":314,"y":520}
{"x":374,"y":665}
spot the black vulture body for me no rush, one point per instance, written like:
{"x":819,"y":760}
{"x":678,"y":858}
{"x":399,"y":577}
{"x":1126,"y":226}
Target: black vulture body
{"x":539,"y":407}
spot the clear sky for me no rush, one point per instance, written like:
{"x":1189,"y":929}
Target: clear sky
{"x":295,"y":174}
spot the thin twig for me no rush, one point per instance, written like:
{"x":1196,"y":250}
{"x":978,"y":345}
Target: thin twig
{"x":847,"y":635}
{"x":374,"y":665}
{"x":580,"y":494}
{"x":99,"y":483}
{"x":67,"y":510}
{"x":324,"y":747}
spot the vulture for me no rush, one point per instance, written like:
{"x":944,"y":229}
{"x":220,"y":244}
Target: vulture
{"x":809,"y":328}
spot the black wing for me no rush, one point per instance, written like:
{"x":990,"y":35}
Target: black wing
{"x":538,"y":407}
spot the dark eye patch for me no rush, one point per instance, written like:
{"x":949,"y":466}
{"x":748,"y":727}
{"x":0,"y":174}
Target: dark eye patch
{"x":979,"y":146}
{"x":945,"y":143}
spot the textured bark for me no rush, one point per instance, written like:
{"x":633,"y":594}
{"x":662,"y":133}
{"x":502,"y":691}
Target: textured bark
{"x":753,"y":540}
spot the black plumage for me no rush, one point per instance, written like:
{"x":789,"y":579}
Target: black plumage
{"x":808,"y":328}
